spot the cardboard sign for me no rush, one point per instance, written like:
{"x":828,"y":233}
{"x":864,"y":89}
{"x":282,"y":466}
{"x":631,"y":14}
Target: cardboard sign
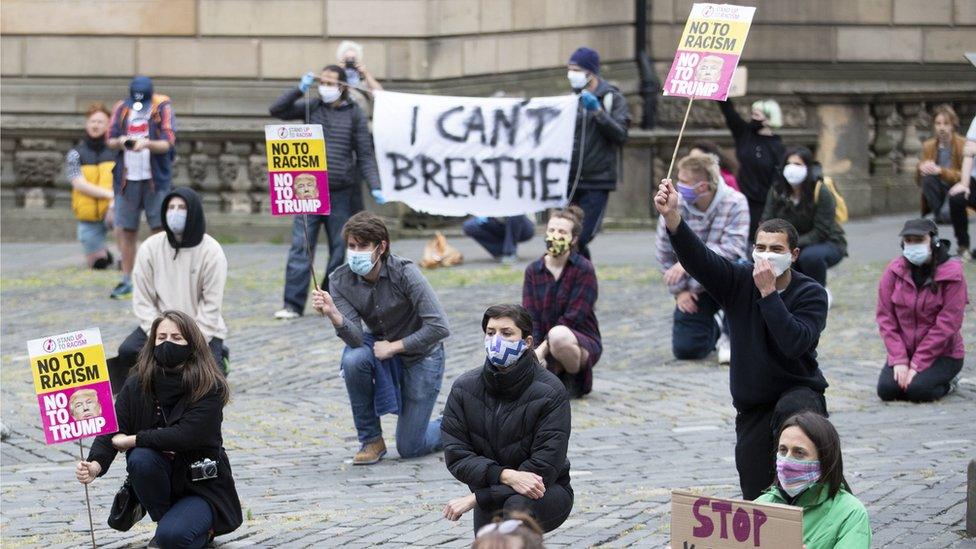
{"x":297,"y":171}
{"x":494,"y":156}
{"x":72,"y":385}
{"x":702,"y":522}
{"x":739,"y":80}
{"x":709,"y":51}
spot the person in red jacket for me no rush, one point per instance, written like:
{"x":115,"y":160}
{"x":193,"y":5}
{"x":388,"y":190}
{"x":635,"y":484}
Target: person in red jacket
{"x":921,"y":300}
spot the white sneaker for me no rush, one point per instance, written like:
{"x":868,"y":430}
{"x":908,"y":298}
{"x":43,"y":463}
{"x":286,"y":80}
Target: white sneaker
{"x":830,"y":298}
{"x":724,"y":350}
{"x":286,"y":314}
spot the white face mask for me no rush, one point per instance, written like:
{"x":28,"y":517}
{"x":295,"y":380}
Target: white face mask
{"x":329,"y":93}
{"x":176,"y":220}
{"x":795,"y":174}
{"x":781,"y":262}
{"x":577,"y":79}
{"x":917,"y":254}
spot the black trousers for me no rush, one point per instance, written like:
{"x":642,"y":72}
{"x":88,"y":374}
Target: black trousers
{"x":550,"y":511}
{"x":929,"y":385}
{"x":957,"y":213}
{"x":934,"y":192}
{"x":119,"y":367}
{"x":755,"y":437}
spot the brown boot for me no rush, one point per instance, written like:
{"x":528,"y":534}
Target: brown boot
{"x":370,"y":453}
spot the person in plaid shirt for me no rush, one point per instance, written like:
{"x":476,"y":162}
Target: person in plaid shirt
{"x":560,"y":292}
{"x":719,"y":216}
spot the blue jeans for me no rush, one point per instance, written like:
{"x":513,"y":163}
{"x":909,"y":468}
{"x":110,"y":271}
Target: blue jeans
{"x":694,"y":335}
{"x":500,"y":238}
{"x":183,"y":523}
{"x":420,"y":383}
{"x":815,"y":259}
{"x":594,"y":204}
{"x":297,"y":275}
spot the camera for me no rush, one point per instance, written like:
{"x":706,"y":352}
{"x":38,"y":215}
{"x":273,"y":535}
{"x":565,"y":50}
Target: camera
{"x":129,"y":143}
{"x":205,"y":469}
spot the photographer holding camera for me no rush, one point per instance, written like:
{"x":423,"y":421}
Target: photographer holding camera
{"x":143,"y":130}
{"x":170,"y":413}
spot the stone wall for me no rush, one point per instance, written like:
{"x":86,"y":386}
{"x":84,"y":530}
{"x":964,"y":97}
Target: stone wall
{"x":856,"y":80}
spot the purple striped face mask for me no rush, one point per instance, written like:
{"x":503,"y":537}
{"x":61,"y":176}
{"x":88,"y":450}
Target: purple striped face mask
{"x":796,"y":475}
{"x":502,"y":352}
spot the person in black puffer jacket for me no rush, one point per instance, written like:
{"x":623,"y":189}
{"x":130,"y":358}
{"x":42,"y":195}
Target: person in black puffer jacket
{"x":506,"y":429}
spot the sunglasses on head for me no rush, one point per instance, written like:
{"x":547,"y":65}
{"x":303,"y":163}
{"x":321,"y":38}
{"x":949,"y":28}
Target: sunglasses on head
{"x":504,"y":527}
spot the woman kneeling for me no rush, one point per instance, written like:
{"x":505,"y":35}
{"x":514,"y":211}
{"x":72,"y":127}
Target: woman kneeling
{"x":169,"y":417}
{"x":810,"y":474}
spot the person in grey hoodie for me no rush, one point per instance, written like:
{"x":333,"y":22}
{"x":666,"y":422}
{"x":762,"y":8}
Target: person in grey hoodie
{"x":719,"y":216}
{"x":349,"y":148}
{"x":604,"y":116}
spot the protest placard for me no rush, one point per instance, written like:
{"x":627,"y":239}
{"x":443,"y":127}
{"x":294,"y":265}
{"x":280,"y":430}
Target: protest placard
{"x":481,"y":156}
{"x":703,"y":522}
{"x":72,"y":385}
{"x":297,"y":170}
{"x":709,"y":51}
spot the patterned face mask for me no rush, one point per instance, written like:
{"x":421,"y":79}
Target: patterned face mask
{"x":557,"y":245}
{"x":503,"y":353}
{"x":796,"y":475}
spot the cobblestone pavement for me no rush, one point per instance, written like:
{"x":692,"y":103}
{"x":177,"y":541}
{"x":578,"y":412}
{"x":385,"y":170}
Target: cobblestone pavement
{"x":650,"y":425}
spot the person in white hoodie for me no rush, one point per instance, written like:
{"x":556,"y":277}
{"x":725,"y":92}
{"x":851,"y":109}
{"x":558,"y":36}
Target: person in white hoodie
{"x":183,"y":269}
{"x":719,"y":216}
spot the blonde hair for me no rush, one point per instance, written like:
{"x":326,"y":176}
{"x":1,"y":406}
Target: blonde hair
{"x":704,"y":166}
{"x":770,"y":108}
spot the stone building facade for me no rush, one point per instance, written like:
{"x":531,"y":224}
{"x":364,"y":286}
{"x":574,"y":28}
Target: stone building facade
{"x":857,"y":80}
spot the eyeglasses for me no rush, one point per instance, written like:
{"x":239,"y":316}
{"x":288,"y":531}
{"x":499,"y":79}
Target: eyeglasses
{"x":504,"y":527}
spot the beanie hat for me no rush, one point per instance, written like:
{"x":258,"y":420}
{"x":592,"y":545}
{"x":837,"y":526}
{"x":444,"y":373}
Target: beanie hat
{"x":587,"y":59}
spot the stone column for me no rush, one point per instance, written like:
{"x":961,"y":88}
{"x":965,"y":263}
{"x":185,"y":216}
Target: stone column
{"x":843,"y":152}
{"x":911,"y":145}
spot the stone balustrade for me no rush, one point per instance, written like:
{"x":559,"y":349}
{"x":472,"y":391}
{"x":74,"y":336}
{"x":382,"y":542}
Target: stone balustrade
{"x":870,"y":147}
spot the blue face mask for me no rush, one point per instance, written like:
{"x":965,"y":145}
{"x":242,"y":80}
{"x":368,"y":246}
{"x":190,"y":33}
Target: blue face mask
{"x":360,"y":263}
{"x":687,"y":193}
{"x":502,"y":352}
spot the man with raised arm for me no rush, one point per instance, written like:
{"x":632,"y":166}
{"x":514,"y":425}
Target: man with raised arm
{"x":775,"y":318}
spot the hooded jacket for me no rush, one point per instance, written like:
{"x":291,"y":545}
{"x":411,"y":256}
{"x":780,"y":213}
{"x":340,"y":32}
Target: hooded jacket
{"x":606,"y":132}
{"x":193,"y":432}
{"x":349,"y":144}
{"x":518,"y":419}
{"x":186,"y":274}
{"x":723,"y":227}
{"x":919,"y":325}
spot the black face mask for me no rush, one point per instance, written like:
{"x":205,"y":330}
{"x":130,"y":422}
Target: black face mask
{"x":170,"y":355}
{"x":755,"y":125}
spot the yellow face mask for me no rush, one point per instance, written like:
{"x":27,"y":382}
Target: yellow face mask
{"x":557,"y":245}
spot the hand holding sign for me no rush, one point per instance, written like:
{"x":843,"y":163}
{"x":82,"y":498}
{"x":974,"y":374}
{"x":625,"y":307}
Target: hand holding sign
{"x":322,"y":302}
{"x":87,"y":471}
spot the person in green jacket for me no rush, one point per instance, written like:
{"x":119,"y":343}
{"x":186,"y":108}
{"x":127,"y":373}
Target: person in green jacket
{"x":810,"y":474}
{"x":794,"y":197}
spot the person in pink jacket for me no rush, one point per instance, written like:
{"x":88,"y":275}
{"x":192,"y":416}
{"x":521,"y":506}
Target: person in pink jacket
{"x":921,"y":300}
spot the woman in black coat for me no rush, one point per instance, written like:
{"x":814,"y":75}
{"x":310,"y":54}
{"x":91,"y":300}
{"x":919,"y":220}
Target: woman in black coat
{"x":506,"y":429}
{"x":169,"y":416}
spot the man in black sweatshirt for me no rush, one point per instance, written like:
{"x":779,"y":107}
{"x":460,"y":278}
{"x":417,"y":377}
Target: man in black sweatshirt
{"x":775,"y":317}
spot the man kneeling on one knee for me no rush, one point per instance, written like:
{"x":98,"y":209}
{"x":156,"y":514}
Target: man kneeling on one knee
{"x":397,"y":363}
